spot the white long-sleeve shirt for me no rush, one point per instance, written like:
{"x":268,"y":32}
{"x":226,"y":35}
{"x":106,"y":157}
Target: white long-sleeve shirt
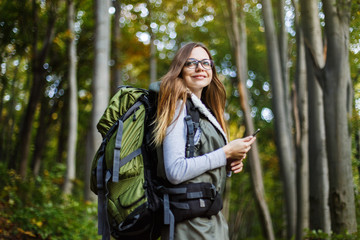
{"x":178,"y":168}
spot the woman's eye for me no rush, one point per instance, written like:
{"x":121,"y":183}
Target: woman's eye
{"x":206,"y":63}
{"x":189,"y":64}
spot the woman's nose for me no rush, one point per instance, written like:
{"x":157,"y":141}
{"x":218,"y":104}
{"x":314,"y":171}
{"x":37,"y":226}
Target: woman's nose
{"x":199,"y":66}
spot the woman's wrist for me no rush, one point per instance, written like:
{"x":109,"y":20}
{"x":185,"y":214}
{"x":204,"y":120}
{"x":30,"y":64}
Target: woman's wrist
{"x":227,"y":151}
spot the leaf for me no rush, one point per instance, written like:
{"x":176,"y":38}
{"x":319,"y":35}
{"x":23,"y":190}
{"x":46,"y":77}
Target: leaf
{"x":28,"y":233}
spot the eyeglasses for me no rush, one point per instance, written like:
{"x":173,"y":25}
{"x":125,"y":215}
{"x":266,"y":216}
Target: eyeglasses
{"x":205,"y":63}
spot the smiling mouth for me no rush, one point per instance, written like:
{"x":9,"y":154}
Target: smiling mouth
{"x":199,"y":76}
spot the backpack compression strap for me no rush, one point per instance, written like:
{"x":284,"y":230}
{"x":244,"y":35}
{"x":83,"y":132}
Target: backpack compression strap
{"x":102,"y":178}
{"x":117,"y":164}
{"x":103,"y":224}
{"x":169,"y":219}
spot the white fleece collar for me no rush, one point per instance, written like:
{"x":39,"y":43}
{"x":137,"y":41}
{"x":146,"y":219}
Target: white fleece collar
{"x":205,"y":111}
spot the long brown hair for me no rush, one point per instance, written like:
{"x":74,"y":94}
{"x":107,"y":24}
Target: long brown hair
{"x":173,"y":88}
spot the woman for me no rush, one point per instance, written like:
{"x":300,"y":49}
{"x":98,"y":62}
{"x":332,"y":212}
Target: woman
{"x":192,"y":76}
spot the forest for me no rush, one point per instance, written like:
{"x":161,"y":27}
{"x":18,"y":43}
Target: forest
{"x":290,"y":68}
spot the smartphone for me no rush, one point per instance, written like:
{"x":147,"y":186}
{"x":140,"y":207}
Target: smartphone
{"x":256,"y":132}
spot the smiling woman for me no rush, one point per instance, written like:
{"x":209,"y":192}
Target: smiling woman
{"x":193,"y":152}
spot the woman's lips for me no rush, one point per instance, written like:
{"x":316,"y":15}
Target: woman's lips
{"x":199,"y":76}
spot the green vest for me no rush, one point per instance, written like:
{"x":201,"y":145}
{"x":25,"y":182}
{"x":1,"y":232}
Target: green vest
{"x":204,"y":228}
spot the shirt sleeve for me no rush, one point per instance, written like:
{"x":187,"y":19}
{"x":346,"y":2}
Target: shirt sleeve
{"x":178,"y":168}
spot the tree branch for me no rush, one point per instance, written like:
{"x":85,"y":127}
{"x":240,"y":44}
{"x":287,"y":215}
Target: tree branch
{"x":318,"y":71}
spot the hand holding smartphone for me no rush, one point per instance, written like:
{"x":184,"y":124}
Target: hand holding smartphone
{"x":256,"y":132}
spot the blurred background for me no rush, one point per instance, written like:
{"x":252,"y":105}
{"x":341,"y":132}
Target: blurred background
{"x":290,"y":68}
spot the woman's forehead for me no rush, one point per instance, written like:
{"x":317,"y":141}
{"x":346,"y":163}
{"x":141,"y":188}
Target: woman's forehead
{"x":199,"y":53}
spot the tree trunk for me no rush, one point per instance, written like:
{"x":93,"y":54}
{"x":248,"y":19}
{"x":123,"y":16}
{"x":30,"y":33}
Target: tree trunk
{"x":73,"y":104}
{"x":62,"y":134}
{"x":226,"y":200}
{"x":283,"y":48}
{"x":282,"y":128}
{"x":153,"y":63}
{"x":357,"y":147}
{"x":40,"y":139}
{"x":319,"y":177}
{"x":101,"y":84}
{"x":337,"y":99}
{"x":8,"y":121}
{"x":116,"y":70}
{"x":23,"y":146}
{"x":302,"y":140}
{"x":4,"y":85}
{"x":240,"y":47}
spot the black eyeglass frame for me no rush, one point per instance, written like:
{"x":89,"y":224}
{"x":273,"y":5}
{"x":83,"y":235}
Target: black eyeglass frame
{"x":193,"y":60}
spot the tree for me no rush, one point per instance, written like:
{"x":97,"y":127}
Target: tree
{"x":73,"y":104}
{"x":239,"y":43}
{"x":318,"y":172}
{"x":301,"y":134}
{"x":282,"y":128}
{"x":101,"y":81}
{"x":115,"y":49}
{"x":41,"y":136}
{"x":336,"y":84}
{"x":38,"y":60}
{"x":152,"y":63}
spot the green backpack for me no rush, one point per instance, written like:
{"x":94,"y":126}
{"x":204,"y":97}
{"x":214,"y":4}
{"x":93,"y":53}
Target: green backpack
{"x":133,"y":203}
{"x":120,"y":177}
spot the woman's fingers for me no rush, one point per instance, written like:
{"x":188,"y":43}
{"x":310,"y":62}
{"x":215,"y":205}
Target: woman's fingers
{"x":236,"y":168}
{"x":238,"y":148}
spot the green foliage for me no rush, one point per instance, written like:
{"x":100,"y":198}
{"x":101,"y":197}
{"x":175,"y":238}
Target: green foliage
{"x":36,"y":208}
{"x":319,"y":234}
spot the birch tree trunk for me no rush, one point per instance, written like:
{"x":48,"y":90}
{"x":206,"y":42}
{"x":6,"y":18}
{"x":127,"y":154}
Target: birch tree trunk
{"x":302,"y":140}
{"x":101,"y":81}
{"x":73,"y":104}
{"x":338,"y":101}
{"x":318,"y":170}
{"x":240,"y":47}
{"x":282,"y":129}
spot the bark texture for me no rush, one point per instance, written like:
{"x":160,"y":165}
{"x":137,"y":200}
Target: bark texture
{"x":73,"y":104}
{"x":240,"y":46}
{"x":284,"y":140}
{"x":337,"y":89}
{"x":39,"y":56}
{"x":318,"y":170}
{"x":101,"y":81}
{"x":302,"y":140}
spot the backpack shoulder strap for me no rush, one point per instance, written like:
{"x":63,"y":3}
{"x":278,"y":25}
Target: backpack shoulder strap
{"x":192,"y":124}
